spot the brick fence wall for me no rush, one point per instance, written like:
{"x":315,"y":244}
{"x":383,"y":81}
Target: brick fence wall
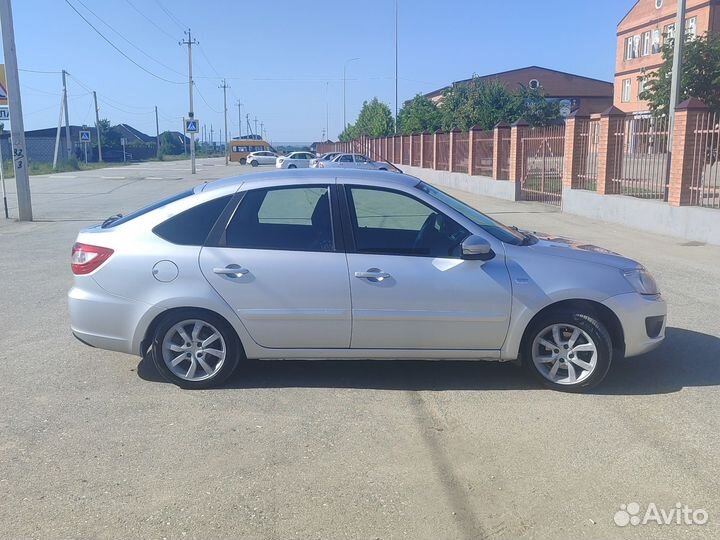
{"x":609,"y":153}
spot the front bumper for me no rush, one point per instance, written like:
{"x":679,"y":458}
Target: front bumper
{"x":634,"y":310}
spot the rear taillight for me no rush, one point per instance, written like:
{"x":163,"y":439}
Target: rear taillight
{"x":320,"y":165}
{"x":86,"y":258}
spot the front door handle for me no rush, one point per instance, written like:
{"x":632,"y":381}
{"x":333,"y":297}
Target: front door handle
{"x":231,"y":270}
{"x":373,"y":274}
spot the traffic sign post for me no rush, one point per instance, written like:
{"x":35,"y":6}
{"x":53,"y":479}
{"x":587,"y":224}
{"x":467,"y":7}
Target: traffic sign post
{"x":85,"y":139}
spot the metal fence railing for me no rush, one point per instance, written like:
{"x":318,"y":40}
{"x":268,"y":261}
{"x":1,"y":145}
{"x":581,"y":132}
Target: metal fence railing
{"x":640,"y":159}
{"x":543,"y":150}
{"x":589,"y":134}
{"x":415,"y":154}
{"x":428,"y":151}
{"x":705,"y":177}
{"x":483,"y":149}
{"x":460,"y":151}
{"x":443,"y":152}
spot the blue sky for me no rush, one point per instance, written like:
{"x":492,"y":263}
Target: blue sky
{"x":284,"y":60}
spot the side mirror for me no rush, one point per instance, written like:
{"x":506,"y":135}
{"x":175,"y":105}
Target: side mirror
{"x":476,"y":248}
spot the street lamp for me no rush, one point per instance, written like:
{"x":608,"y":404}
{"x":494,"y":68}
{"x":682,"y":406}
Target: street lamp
{"x":344,"y":85}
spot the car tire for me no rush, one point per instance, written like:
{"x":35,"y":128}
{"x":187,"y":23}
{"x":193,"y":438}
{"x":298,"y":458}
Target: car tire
{"x":569,"y":351}
{"x":243,"y":161}
{"x":254,"y":163}
{"x":168,"y":334}
{"x":292,"y":166}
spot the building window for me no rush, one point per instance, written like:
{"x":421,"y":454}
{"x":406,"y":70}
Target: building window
{"x":626,"y":90}
{"x":691,"y":28}
{"x":534,"y":84}
{"x":636,"y":46}
{"x":658,"y":4}
{"x":641,"y":86}
{"x":646,"y":44}
{"x":656,"y":41}
{"x":669,"y":32}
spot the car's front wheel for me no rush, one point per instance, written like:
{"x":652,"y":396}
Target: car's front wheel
{"x":292,"y":167}
{"x":254,"y":163}
{"x":568,"y":351}
{"x":195,"y":349}
{"x":243,"y":161}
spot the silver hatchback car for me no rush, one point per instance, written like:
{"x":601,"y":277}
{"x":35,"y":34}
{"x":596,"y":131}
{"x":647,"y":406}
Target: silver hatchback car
{"x":351,"y":264}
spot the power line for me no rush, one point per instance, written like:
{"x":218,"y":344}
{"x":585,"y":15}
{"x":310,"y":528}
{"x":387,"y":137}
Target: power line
{"x":202,"y":51}
{"x":205,"y":100}
{"x":40,"y":71}
{"x":117,"y":48}
{"x":172,"y":17}
{"x":128,"y":41}
{"x":148,"y":19}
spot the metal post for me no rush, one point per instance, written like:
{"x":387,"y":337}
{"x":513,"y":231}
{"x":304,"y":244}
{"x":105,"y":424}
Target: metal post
{"x":239,"y":119}
{"x":190,"y":42}
{"x":255,"y":132}
{"x":345,"y":92}
{"x":17,"y":128}
{"x":225,"y":87}
{"x":68,"y":141}
{"x":97,"y":126}
{"x":679,"y":47}
{"x":327,"y":112}
{"x":2,"y":180}
{"x":396,"y":65}
{"x":57,"y":134}
{"x":157,"y":134}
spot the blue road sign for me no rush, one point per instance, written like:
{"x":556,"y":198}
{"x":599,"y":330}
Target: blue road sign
{"x":84,"y":136}
{"x":191,"y":126}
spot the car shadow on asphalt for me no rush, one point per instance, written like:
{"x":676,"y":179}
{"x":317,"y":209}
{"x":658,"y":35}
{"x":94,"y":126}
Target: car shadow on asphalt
{"x":685,"y":359}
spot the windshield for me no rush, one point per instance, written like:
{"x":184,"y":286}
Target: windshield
{"x":497,"y":229}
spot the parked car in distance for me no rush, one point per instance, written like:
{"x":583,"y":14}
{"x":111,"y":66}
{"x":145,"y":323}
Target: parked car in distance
{"x":262,"y":158}
{"x":353,"y":161}
{"x":324,"y":157}
{"x":295,"y":160}
{"x":309,"y":265}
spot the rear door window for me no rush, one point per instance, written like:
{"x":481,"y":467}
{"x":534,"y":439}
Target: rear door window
{"x":143,"y":211}
{"x":191,"y":227}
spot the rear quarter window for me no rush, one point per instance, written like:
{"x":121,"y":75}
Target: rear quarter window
{"x":191,"y":227}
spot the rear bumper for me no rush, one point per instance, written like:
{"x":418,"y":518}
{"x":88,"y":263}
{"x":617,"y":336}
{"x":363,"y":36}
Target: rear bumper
{"x":635,"y":311}
{"x":102,"y":320}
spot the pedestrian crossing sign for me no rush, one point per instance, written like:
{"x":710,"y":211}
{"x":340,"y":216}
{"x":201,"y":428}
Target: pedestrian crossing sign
{"x":191,"y":126}
{"x":84,"y":136}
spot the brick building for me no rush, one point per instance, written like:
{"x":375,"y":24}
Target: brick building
{"x":573,"y":91}
{"x":640,"y":37}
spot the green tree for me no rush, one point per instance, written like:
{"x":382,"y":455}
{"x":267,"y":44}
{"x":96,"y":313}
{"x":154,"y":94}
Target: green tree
{"x":700,"y":77}
{"x":375,"y":119}
{"x":487,"y":103}
{"x":419,"y":115}
{"x":110,"y":138}
{"x":170,"y":145}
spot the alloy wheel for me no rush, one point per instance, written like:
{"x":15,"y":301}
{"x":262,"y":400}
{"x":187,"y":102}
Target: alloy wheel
{"x":564,"y":354}
{"x":194,"y":350}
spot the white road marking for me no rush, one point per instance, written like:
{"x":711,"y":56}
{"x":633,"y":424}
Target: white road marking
{"x":113,"y":177}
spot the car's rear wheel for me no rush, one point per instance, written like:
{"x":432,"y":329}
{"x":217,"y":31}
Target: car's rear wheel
{"x":243,"y":161}
{"x":292,"y":166}
{"x":568,"y":351}
{"x":195,"y":349}
{"x":254,"y":163}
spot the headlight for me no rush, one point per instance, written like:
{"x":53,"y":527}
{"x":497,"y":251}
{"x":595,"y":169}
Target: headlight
{"x":642,"y":281}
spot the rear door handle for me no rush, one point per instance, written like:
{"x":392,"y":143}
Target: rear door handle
{"x":373,"y":275}
{"x":232,"y":270}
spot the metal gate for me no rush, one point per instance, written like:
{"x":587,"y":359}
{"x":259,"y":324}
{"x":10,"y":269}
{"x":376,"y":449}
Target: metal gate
{"x":543,"y":150}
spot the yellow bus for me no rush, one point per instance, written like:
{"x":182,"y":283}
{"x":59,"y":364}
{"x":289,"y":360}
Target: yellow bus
{"x":240,"y":148}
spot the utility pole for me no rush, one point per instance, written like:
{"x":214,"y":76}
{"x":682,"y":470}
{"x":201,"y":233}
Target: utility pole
{"x":97,"y":126}
{"x":344,"y":91}
{"x":396,"y":65}
{"x":679,"y":47}
{"x":247,"y":122}
{"x":17,"y":128}
{"x":327,"y":111}
{"x":157,"y":134}
{"x":262,"y":130}
{"x":68,"y":141}
{"x":239,"y":118}
{"x":212,"y":139}
{"x":256,"y":126}
{"x":190,"y":42}
{"x":225,"y":87}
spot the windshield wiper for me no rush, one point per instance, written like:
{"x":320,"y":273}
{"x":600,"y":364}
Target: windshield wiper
{"x":112,"y":219}
{"x":528,"y":239}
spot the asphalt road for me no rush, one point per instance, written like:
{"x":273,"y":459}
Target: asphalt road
{"x":94,"y":445}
